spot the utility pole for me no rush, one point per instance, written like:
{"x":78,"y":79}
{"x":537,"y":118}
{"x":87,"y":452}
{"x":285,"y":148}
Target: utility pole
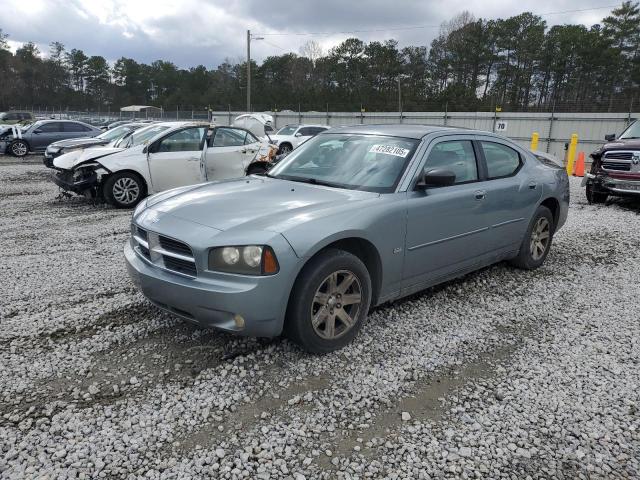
{"x":249,"y":38}
{"x":248,"y":71}
{"x":399,"y":97}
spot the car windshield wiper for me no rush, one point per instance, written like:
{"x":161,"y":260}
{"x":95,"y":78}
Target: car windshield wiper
{"x":310,"y":180}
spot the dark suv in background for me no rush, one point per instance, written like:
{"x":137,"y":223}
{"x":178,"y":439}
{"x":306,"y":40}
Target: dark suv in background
{"x":616,"y":167}
{"x":36,"y":137}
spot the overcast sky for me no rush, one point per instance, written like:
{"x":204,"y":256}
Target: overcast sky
{"x":193,"y":32}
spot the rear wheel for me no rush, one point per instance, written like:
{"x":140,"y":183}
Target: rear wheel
{"x":329,"y":302}
{"x":19,"y":148}
{"x":124,"y":189}
{"x":537,"y":241}
{"x":284,"y":149}
{"x":594,"y":196}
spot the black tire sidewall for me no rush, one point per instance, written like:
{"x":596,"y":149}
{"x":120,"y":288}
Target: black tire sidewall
{"x":298,"y":322}
{"x":17,"y":142}
{"x":525,"y":259}
{"x":107,"y":189}
{"x":594,"y":197}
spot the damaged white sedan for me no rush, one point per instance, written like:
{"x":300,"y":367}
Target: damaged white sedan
{"x":160,"y":157}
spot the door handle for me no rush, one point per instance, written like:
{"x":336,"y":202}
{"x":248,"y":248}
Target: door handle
{"x":533,"y":185}
{"x":480,"y":194}
{"x":193,"y":159}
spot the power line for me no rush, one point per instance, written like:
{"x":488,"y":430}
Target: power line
{"x":416,"y":27}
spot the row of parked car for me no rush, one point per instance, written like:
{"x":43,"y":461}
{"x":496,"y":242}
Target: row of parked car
{"x":131,"y":160}
{"x":346,"y":219}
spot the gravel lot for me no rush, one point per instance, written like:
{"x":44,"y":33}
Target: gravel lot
{"x":501,"y":374}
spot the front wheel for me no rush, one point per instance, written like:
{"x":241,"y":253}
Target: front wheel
{"x":593,"y":196}
{"x":537,"y":241}
{"x":19,"y":148}
{"x":329,"y":302}
{"x":124,"y":189}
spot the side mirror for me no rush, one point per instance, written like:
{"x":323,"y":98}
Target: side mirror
{"x":436,"y":177}
{"x":37,"y":131}
{"x":298,"y":134}
{"x":610,"y":137}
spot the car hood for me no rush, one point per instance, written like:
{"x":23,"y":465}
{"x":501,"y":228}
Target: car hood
{"x":257,"y":203}
{"x":78,"y":142}
{"x":620,"y":144}
{"x":74,"y":158}
{"x":280,"y":138}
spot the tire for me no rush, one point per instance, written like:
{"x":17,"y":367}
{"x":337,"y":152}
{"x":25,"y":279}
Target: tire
{"x":594,"y":197}
{"x":537,"y":241}
{"x":314,"y":295}
{"x":19,"y":148}
{"x":284,"y":149}
{"x":124,"y":189}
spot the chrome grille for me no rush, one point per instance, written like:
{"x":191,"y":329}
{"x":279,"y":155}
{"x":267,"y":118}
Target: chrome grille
{"x":164,"y":252}
{"x":618,"y":155}
{"x":618,"y":166}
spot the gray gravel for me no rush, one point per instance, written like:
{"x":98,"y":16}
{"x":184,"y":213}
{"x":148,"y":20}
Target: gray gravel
{"x":502,"y":374}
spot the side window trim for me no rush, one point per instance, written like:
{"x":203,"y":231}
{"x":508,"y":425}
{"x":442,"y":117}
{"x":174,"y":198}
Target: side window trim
{"x":439,"y":140}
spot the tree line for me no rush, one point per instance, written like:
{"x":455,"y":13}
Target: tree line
{"x":517,"y":63}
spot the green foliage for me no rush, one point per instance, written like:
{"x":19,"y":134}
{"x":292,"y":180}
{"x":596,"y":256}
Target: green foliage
{"x":517,"y":63}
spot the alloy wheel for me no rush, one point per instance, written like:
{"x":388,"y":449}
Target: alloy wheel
{"x":336,"y":304}
{"x":126,"y":190}
{"x":540,"y":237}
{"x":19,"y":149}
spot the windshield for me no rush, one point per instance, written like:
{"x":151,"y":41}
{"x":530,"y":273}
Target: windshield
{"x":141,"y":136}
{"x":116,"y":133}
{"x":288,"y":130}
{"x":633,"y":131}
{"x":358,"y":162}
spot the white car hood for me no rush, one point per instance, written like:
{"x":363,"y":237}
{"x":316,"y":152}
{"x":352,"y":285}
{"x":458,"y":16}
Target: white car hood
{"x":280,"y":138}
{"x":70,"y":160}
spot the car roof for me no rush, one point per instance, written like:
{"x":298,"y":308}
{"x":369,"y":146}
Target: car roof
{"x":401,"y":130}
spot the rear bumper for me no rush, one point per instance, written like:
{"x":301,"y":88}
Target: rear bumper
{"x":259,"y":301}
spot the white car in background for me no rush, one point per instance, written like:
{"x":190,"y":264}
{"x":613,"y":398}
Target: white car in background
{"x":290,"y":136}
{"x":159,"y":157}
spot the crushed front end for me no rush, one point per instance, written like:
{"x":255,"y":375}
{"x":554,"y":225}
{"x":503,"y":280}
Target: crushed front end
{"x":84,"y":180}
{"x":615,"y":171}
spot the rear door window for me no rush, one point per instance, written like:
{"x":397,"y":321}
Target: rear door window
{"x":229,"y":137}
{"x":502,"y":161}
{"x":74,"y":127}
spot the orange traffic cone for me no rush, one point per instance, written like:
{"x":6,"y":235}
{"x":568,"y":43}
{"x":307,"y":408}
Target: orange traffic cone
{"x":580,"y":165}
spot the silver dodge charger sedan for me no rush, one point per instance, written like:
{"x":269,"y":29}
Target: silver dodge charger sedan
{"x":353,"y":218}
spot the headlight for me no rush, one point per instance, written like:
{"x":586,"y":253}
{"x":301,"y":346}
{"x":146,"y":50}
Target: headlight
{"x":54,"y":149}
{"x":141,"y":206}
{"x":244,"y":260}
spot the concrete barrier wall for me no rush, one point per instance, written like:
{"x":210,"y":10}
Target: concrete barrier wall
{"x":554,"y":130}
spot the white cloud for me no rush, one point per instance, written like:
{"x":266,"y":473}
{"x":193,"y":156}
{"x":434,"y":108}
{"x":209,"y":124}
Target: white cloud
{"x":192,"y":32}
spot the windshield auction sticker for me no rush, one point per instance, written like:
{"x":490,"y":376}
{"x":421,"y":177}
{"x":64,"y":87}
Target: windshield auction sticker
{"x":390,"y":150}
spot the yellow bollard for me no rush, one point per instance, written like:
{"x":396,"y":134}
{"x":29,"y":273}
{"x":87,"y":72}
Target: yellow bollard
{"x":571,"y":154}
{"x":534,"y":141}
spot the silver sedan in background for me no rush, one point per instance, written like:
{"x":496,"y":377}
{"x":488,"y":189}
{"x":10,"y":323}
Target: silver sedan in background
{"x":353,"y":218}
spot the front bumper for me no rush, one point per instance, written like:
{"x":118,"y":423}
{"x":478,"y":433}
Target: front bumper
{"x":215,"y":302}
{"x":49,"y":157}
{"x":611,"y":185}
{"x":65,"y":180}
